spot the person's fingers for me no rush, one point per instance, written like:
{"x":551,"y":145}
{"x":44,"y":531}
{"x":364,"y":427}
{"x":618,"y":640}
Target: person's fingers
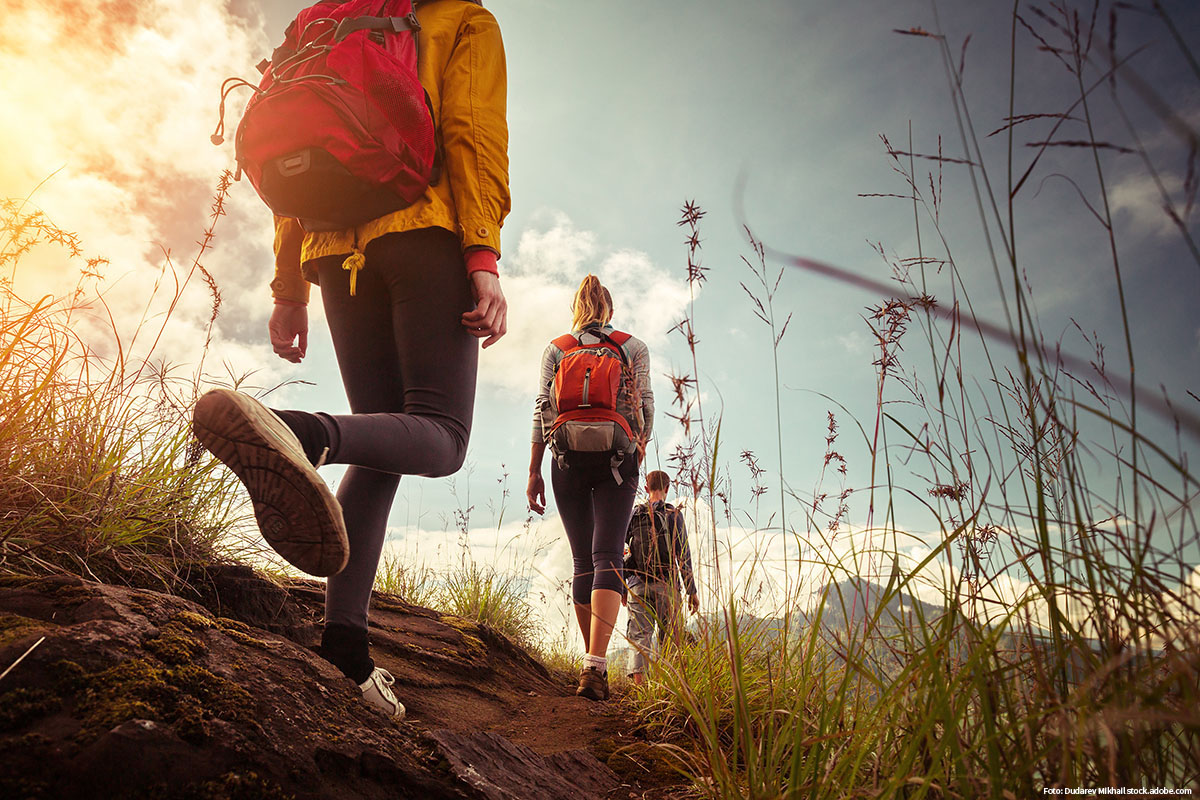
{"x":303,"y":343}
{"x":477,"y":315}
{"x":284,"y":348}
{"x":483,"y":317}
{"x":536,"y":490}
{"x":289,"y":354}
{"x":499,"y":325}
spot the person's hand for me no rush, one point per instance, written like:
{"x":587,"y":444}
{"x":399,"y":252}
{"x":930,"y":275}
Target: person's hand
{"x":624,"y":599}
{"x":535,"y":491}
{"x":490,"y":315}
{"x":693,"y":603}
{"x":289,"y":331}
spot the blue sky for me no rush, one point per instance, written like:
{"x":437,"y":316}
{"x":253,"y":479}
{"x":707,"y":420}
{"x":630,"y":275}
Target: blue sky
{"x":767,"y":113}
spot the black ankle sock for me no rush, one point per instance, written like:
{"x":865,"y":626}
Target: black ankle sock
{"x":312,"y":431}
{"x":347,"y":649}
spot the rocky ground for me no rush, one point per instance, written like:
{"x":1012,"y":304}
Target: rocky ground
{"x":130,"y":693}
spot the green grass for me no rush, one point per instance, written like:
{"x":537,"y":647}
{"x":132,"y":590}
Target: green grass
{"x":492,"y":598}
{"x":99,"y":473}
{"x":1087,"y":675}
{"x":412,"y":584}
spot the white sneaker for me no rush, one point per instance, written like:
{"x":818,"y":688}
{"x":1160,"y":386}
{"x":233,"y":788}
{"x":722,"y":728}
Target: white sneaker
{"x":297,"y":514}
{"x":377,"y":690}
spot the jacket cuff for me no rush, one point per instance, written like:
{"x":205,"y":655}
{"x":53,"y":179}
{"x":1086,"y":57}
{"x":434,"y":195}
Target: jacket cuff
{"x":289,"y":283}
{"x":479,"y":232}
{"x":290,"y":288}
{"x":481,"y":259}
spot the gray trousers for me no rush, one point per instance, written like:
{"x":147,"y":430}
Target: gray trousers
{"x":409,"y":367}
{"x":651,"y":606}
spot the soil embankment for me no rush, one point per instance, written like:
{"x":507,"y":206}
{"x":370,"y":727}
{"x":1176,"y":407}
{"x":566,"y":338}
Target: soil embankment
{"x":133,"y":693}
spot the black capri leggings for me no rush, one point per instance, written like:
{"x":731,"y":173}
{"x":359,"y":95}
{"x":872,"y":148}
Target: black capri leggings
{"x":409,"y":367}
{"x":595,"y":512}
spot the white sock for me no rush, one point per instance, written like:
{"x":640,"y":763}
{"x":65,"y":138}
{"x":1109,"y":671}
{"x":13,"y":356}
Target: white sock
{"x":599,"y":663}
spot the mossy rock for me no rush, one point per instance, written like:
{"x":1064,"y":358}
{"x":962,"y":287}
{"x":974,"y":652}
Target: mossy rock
{"x":197,"y":622}
{"x":17,"y":787}
{"x":187,"y":697}
{"x":227,"y":624}
{"x":14,"y":627}
{"x":469,"y":630}
{"x":31,"y":744}
{"x":459,"y":623}
{"x":22,"y":706}
{"x":239,"y":632}
{"x":70,"y":592}
{"x":21,"y":756}
{"x":175,"y":642}
{"x":231,"y":786}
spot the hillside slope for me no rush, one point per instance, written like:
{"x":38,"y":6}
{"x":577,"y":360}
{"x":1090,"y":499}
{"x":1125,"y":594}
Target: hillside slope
{"x":132,"y":693}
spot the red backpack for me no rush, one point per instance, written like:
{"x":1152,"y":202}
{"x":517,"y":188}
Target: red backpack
{"x":589,"y":381}
{"x":339,"y":131}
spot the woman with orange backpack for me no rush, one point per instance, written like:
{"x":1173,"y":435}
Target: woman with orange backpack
{"x":595,"y":410}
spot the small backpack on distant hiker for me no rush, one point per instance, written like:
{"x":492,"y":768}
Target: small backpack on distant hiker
{"x":339,"y":130}
{"x":649,"y":542}
{"x":591,"y":378}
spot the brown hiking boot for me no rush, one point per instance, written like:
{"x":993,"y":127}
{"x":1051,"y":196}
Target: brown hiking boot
{"x":297,"y":514}
{"x":593,"y":684}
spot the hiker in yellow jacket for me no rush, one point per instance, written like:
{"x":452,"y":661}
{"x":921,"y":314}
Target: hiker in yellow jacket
{"x":406,"y":296}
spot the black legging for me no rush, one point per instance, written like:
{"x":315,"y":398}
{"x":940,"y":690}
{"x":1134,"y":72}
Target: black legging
{"x":595,"y":512}
{"x":409,"y":367}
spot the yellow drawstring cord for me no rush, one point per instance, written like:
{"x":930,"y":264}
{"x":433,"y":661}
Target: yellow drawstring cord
{"x":354,"y":262}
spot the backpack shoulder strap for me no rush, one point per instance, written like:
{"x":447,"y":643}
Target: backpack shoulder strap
{"x":617,"y":339}
{"x":565,"y":342}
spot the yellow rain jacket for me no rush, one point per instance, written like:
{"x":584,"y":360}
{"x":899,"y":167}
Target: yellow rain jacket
{"x":461,"y":65}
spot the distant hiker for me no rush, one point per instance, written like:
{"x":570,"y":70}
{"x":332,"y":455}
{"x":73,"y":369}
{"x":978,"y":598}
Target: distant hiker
{"x":658,"y":556}
{"x":406,"y":295}
{"x":594,"y":411}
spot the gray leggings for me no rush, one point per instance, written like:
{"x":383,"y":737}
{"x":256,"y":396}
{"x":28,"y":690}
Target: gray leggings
{"x":408,"y":366}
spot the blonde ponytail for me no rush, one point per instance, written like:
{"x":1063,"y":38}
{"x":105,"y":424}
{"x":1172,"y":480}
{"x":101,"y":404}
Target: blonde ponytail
{"x":592,"y":305}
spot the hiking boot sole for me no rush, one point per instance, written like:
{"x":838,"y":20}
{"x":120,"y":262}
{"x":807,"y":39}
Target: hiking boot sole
{"x":297,"y":514}
{"x":590,"y":694}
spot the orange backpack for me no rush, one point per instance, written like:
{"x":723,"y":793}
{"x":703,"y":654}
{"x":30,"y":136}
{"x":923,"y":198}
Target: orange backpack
{"x":589,"y":381}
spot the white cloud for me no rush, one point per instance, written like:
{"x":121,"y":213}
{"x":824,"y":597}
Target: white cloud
{"x":855,"y":342}
{"x":117,"y":122}
{"x":1137,"y":200}
{"x":540,"y":280}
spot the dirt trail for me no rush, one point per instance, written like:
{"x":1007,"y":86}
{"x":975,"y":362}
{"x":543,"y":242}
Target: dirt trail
{"x":455,"y":674}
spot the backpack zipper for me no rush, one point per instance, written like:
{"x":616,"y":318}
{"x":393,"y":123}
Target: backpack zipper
{"x":587,"y":380}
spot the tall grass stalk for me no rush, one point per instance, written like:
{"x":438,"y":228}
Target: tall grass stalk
{"x":1045,"y":635}
{"x":99,"y":473}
